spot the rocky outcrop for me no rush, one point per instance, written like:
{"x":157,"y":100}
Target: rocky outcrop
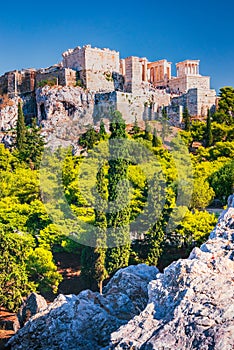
{"x":34,"y":304}
{"x":86,"y":321}
{"x":64,"y":112}
{"x":8,"y":114}
{"x":191,"y":305}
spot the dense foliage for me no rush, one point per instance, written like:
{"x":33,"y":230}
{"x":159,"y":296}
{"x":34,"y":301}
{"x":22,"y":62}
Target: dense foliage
{"x":127,"y":192}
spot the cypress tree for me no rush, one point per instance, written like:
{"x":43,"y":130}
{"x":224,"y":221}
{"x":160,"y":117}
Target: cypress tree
{"x":186,"y":119}
{"x":102,"y":131}
{"x":93,"y":258}
{"x":209,"y":136}
{"x":100,"y":272}
{"x":135,"y":128}
{"x":20,"y":130}
{"x":118,"y":215}
{"x":154,"y":237}
{"x":89,"y":138}
{"x":165,"y":126}
{"x":34,"y":145}
{"x":147,"y":135}
{"x":156,"y":142}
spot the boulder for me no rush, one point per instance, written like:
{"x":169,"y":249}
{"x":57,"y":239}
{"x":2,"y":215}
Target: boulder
{"x":34,"y":304}
{"x":86,"y":321}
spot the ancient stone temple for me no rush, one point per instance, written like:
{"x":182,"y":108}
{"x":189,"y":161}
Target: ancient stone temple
{"x":134,"y":85}
{"x":188,"y":77}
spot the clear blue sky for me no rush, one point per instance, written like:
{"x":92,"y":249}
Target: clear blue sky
{"x":35,"y":33}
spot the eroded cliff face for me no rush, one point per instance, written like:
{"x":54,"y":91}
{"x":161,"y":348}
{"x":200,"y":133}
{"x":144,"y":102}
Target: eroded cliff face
{"x":64,"y":113}
{"x":189,"y":306}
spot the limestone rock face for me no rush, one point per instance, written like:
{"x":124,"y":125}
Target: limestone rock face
{"x":86,"y":321}
{"x":9,"y":115}
{"x":64,"y":112}
{"x":191,"y":305}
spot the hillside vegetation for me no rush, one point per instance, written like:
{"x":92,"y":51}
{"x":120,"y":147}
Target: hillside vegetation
{"x":30,"y":235}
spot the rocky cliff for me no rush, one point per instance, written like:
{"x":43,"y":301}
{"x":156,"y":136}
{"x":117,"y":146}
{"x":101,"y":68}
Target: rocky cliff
{"x":64,"y":113}
{"x":189,"y":306}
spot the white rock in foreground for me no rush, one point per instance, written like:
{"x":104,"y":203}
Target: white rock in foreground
{"x":191,"y":305}
{"x":86,"y":321}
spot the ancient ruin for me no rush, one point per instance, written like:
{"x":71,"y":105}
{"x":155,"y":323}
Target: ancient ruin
{"x":135,"y":86}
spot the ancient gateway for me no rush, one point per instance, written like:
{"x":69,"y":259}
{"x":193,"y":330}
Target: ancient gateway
{"x":135,"y":86}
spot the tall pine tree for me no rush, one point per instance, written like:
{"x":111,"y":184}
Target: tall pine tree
{"x":34,"y":145}
{"x":93,"y":258}
{"x":100,"y":272}
{"x":208,"y":135}
{"x":147,"y":135}
{"x":156,"y":142}
{"x":154,"y":237}
{"x":165,"y":124}
{"x":102,"y":131}
{"x":118,"y":215}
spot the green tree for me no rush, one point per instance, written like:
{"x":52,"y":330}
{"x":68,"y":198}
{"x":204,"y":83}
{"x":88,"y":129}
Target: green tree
{"x":102,"y":131}
{"x":225,"y":112}
{"x":100,"y":272}
{"x":147,"y":135}
{"x":89,"y":138}
{"x":208,"y":134}
{"x":34,"y":145}
{"x":222,"y":181}
{"x":164,"y":123}
{"x":118,"y":215}
{"x":156,"y":142}
{"x":135,"y":129}
{"x":186,"y":119}
{"x":20,"y":130}
{"x":93,"y":258}
{"x":195,"y":228}
{"x":14,"y":282}
{"x":154,"y":237}
{"x":42,"y":270}
{"x":202,"y":193}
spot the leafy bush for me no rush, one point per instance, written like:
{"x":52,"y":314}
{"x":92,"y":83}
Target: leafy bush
{"x":50,"y":82}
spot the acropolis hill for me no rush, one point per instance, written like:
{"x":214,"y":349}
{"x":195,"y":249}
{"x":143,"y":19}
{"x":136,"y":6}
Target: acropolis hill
{"x":90,"y":81}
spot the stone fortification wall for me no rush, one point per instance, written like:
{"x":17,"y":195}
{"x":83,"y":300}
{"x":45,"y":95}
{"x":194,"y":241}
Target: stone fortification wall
{"x":206,"y":99}
{"x":183,"y":84}
{"x":4,"y":84}
{"x":74,"y":58}
{"x":131,"y":105}
{"x":196,"y":100}
{"x":58,"y":75}
{"x":95,"y":66}
{"x":133,"y":74}
{"x":17,"y":82}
